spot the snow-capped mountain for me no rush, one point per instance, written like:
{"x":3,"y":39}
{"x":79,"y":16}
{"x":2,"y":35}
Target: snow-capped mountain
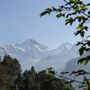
{"x":28,"y":52}
{"x":31,"y":53}
{"x":58,"y":58}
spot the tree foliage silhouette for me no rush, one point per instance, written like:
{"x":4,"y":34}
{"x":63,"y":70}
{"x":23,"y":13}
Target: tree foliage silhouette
{"x":11,"y":78}
{"x":76,"y":11}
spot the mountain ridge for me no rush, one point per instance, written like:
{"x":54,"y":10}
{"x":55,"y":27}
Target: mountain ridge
{"x":31,"y":53}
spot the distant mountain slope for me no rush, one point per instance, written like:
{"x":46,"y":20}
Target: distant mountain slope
{"x":31,"y":53}
{"x":58,"y":58}
{"x":73,"y":65}
{"x":28,"y":53}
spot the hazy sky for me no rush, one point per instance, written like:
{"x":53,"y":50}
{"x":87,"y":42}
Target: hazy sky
{"x":20,"y":20}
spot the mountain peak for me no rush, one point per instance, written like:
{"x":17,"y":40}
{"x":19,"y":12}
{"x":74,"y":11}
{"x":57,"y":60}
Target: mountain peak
{"x":66,"y":46}
{"x":30,"y":41}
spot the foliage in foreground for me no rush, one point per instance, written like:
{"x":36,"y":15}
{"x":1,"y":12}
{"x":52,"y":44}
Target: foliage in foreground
{"x":11,"y":78}
{"x":76,"y":11}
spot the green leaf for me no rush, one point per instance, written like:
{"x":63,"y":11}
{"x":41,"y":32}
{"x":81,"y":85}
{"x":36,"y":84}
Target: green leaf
{"x":76,"y":1}
{"x":71,"y":1}
{"x":83,"y":7}
{"x":77,"y":7}
{"x":86,"y":59}
{"x":78,"y":27}
{"x":43,"y":13}
{"x":82,"y":33}
{"x":69,"y":20}
{"x":59,"y":15}
{"x":82,"y":17}
{"x":47,"y":11}
{"x":85,"y":62}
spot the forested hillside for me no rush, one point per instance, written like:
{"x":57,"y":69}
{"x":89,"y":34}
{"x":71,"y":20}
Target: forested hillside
{"x":11,"y":78}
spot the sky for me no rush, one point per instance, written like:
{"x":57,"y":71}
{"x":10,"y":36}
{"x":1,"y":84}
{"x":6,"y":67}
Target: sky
{"x":20,"y":20}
